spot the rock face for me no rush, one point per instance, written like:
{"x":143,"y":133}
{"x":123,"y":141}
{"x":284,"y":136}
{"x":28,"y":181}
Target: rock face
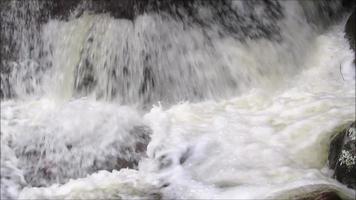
{"x":350,"y":29}
{"x":342,"y":156}
{"x":22,"y":22}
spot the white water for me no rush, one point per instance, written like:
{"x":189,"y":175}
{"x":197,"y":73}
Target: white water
{"x":269,"y":138}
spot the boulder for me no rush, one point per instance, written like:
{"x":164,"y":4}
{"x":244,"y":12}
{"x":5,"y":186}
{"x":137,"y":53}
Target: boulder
{"x":342,"y":156}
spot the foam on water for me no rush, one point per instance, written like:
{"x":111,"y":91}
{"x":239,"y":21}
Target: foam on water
{"x":126,"y":184}
{"x":55,"y":142}
{"x":258,"y":142}
{"x":257,"y":145}
{"x":258,"y":124}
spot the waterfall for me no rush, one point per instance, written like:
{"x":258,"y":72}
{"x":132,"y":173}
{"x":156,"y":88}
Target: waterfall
{"x":200,"y":99}
{"x":155,"y":56}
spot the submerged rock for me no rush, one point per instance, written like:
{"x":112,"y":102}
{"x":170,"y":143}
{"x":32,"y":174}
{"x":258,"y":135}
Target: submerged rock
{"x":45,"y":166}
{"x":342,"y":156}
{"x":326,"y":195}
{"x":123,"y":184}
{"x":313,"y":192}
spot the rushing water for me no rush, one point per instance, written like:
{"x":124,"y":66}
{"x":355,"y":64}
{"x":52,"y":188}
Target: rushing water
{"x":241,"y":114}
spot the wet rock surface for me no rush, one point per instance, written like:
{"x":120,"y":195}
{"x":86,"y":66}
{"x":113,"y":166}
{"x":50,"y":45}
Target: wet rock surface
{"x":311,"y":192}
{"x":322,"y":196}
{"x":342,"y":156}
{"x":123,"y":184}
{"x":350,"y":29}
{"x":242,"y":20}
{"x":44,"y":166}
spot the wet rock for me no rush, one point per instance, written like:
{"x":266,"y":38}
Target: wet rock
{"x":63,"y":9}
{"x":253,"y":19}
{"x":44,"y":166}
{"x":123,"y":184}
{"x":328,"y":195}
{"x":311,"y":192}
{"x":59,"y":9}
{"x":350,"y":29}
{"x":117,"y":9}
{"x":240,"y":22}
{"x":342,"y":156}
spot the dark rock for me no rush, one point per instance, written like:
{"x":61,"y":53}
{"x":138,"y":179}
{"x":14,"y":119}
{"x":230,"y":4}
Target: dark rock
{"x":43,"y":166}
{"x":250,"y":24}
{"x":328,"y":195}
{"x":62,"y":9}
{"x":224,"y":14}
{"x":342,"y":156}
{"x":311,"y":192}
{"x":350,"y":30}
{"x":59,"y":9}
{"x":117,"y":9}
{"x":323,"y":13}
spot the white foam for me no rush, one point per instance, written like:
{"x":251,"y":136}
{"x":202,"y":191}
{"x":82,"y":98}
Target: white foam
{"x":252,"y":146}
{"x":126,"y":184}
{"x":257,"y":145}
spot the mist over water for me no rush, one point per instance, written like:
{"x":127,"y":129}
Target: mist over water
{"x":199,"y":100}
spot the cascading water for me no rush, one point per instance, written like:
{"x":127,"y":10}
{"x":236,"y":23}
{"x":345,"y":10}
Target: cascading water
{"x":199,"y":99}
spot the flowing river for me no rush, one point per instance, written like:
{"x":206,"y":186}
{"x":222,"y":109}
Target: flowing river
{"x":168,"y":106}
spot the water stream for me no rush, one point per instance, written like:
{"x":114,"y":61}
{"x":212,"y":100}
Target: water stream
{"x":240,"y":106}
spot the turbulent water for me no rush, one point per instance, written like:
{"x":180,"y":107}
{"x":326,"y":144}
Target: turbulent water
{"x":243,"y":110}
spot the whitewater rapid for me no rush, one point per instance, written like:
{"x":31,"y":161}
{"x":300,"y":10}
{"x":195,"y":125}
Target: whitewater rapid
{"x":240,"y":105}
{"x":256,"y":145}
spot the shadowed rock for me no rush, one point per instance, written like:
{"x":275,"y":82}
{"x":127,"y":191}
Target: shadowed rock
{"x":350,"y":30}
{"x":342,"y":156}
{"x":311,"y":192}
{"x":328,"y":195}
